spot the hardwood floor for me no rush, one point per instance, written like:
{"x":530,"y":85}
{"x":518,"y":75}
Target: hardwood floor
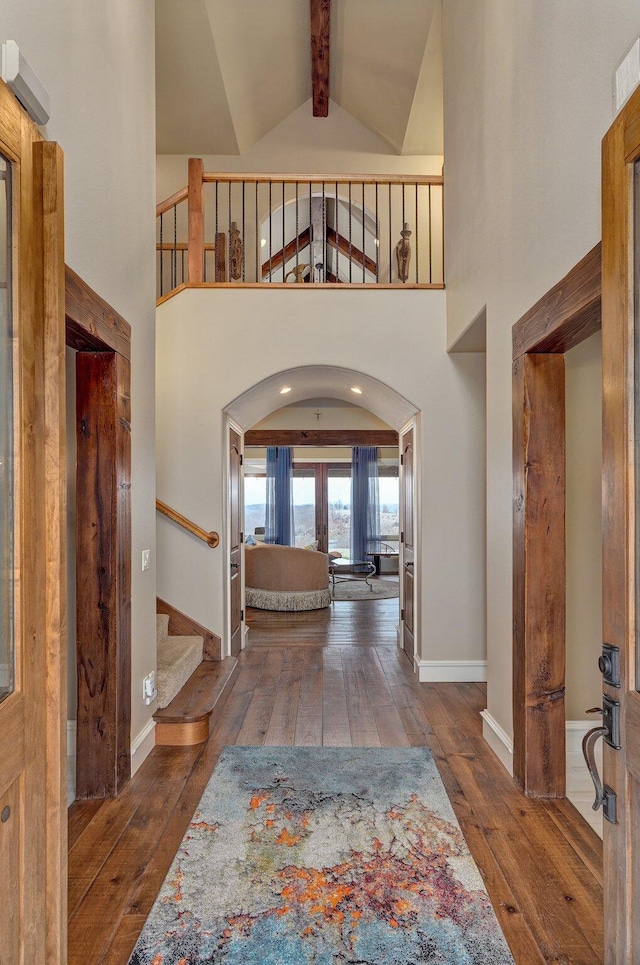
{"x":340,"y":680}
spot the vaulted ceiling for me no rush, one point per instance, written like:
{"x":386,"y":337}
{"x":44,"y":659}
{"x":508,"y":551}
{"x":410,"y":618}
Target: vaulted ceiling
{"x":228,"y":73}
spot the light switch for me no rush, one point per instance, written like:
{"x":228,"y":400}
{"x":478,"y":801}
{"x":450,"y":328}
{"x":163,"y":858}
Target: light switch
{"x":146,"y":559}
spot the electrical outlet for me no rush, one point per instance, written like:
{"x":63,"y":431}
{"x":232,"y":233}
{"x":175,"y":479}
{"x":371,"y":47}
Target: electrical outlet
{"x":149,"y":692}
{"x":146,"y":560}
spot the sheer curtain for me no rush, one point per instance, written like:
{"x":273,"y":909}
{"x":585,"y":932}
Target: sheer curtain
{"x":365,"y":500}
{"x":279,"y":526}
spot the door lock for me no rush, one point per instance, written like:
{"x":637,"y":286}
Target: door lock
{"x":609,"y":664}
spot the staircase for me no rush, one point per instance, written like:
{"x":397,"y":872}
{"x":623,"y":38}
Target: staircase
{"x":193,"y":682}
{"x":177,"y":659}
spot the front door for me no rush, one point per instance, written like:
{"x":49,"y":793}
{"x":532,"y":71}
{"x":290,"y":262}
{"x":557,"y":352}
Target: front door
{"x":32,"y":521}
{"x":621,"y":542}
{"x":235,"y":539}
{"x":408,"y":549}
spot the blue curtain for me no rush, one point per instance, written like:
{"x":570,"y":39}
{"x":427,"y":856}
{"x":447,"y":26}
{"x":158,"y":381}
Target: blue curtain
{"x":365,"y":500}
{"x":279,"y":526}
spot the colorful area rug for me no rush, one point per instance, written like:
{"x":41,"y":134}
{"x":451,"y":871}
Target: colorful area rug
{"x":323,"y":855}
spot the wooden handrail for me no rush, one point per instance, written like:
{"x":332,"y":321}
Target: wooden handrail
{"x":328,"y":179}
{"x":211,"y":539}
{"x":164,"y":206}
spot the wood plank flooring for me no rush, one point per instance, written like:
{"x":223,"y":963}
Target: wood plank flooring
{"x":337,"y":678}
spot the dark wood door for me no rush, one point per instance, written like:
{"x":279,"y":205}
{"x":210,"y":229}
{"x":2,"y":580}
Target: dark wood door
{"x":621,"y":534}
{"x":32,"y":545}
{"x":408,"y":549}
{"x":235,"y":539}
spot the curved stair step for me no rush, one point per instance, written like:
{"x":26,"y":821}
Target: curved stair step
{"x":194,"y":711}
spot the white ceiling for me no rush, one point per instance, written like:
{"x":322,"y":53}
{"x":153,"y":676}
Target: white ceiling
{"x":228,"y":73}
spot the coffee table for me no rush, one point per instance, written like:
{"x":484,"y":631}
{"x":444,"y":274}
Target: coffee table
{"x":343,"y":570}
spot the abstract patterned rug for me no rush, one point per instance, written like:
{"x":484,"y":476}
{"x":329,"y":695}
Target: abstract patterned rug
{"x":323,"y":855}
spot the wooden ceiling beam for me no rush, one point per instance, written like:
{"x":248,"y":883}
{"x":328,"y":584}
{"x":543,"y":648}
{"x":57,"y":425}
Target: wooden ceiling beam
{"x":320,"y":19}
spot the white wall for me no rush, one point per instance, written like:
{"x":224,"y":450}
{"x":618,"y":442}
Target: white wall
{"x":214,"y":345}
{"x":97,"y":62}
{"x":339,"y":144}
{"x":528,"y":97}
{"x":331,"y":417}
{"x":583,"y":526}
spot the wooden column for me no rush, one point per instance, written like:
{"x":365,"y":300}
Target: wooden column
{"x":104,"y":573}
{"x":539,"y":579}
{"x":195,"y":207}
{"x":49,"y":166}
{"x":320,"y":47}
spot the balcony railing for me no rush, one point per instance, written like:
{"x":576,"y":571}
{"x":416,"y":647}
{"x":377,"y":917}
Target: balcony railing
{"x":249,"y":230}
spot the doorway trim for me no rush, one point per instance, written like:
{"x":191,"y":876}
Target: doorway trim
{"x":102,"y":339}
{"x":567,"y":315}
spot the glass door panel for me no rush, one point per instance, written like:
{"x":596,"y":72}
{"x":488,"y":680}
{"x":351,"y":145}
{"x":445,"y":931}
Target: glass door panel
{"x":339,"y":510}
{"x":7,"y":641}
{"x":304,"y":506}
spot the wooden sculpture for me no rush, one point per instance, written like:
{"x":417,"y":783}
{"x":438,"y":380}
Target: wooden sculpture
{"x":403,"y":254}
{"x":236,"y":252}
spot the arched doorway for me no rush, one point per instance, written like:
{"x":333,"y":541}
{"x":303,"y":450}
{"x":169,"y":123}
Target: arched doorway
{"x":329,"y":382}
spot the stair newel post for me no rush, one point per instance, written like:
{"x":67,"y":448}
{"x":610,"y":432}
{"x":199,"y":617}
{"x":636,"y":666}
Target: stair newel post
{"x":195,"y":201}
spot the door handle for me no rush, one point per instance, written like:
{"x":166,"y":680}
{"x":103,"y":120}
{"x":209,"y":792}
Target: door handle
{"x":235,"y":566}
{"x":589,"y":742}
{"x":610,"y":733}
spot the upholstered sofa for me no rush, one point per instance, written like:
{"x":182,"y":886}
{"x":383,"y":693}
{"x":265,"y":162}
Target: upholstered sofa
{"x":286,"y":578}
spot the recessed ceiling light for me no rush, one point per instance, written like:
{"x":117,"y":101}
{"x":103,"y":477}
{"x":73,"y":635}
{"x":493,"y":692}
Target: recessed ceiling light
{"x":356,"y":389}
{"x":285,"y":389}
{"x":263,"y":242}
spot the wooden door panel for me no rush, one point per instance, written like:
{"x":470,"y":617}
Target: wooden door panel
{"x":408,"y":554}
{"x":235,"y":540}
{"x":33,"y":711}
{"x":11,"y":883}
{"x":621,"y":392}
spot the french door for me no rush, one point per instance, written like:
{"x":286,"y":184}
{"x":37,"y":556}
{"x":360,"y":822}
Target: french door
{"x":621,"y":532}
{"x":32,"y":545}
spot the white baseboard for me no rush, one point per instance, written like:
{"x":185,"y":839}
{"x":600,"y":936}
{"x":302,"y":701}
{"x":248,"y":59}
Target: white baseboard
{"x":575,"y":731}
{"x":498,"y":740}
{"x":451,"y":671}
{"x":142,"y":745}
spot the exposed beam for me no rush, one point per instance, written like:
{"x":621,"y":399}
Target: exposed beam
{"x":92,"y":324}
{"x":276,"y":260}
{"x":320,"y":18}
{"x":350,"y":251}
{"x":567,"y":314}
{"x":321,"y":437}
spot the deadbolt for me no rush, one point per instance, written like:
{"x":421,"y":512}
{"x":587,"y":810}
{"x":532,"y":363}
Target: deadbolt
{"x":609,"y":664}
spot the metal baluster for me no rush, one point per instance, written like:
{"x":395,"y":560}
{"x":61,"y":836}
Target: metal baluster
{"x":377,"y":239}
{"x":270,"y":220}
{"x":417,"y":249}
{"x":161,"y":261}
{"x":243,"y":233}
{"x":175,"y":246}
{"x":284,"y":249}
{"x":217,"y":260}
{"x":324,"y":237}
{"x":312,"y":270}
{"x":350,"y":244}
{"x":258,"y":239}
{"x":297,"y":235}
{"x":363,"y":239}
{"x":228,"y":254}
{"x":430,"y":239}
{"x":336,"y":249}
{"x":442,"y":226}
{"x":390,"y":257}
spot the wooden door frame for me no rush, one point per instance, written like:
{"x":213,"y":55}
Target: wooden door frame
{"x":102,"y":340}
{"x":563,"y":318}
{"x":230,"y":425}
{"x":413,"y":424}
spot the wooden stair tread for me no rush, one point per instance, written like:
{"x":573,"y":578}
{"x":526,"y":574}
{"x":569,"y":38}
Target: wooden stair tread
{"x":198,"y":697}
